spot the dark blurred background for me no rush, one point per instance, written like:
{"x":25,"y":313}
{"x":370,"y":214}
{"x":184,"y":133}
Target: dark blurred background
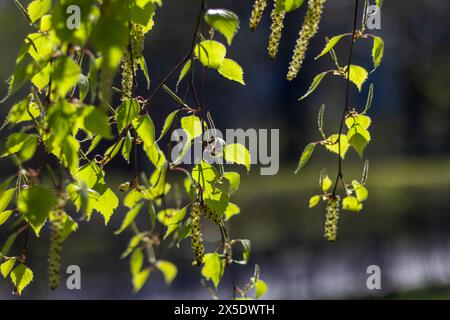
{"x":405,"y":225}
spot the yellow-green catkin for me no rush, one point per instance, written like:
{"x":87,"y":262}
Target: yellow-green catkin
{"x":105,"y":85}
{"x":332,"y":218}
{"x":196,"y":234}
{"x":56,"y":244}
{"x":277,"y":28}
{"x":130,"y":59}
{"x":257,"y":12}
{"x":209,"y":213}
{"x":309,"y":29}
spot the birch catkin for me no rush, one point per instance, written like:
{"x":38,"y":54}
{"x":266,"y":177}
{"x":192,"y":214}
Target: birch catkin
{"x":196,"y":234}
{"x":276,"y":28}
{"x":130,"y":59}
{"x":56,"y":244}
{"x":332,"y":218}
{"x":258,"y":9}
{"x":309,"y":29}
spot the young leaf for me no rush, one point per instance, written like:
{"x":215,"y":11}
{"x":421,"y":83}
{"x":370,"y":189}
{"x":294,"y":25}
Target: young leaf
{"x":21,"y":277}
{"x":230,"y":69}
{"x":313,"y":201}
{"x":359,"y":120}
{"x":140,"y":279}
{"x":168,"y":123}
{"x":96,"y":121}
{"x":351,"y":204}
{"x":330,"y":45}
{"x":127,"y":111}
{"x":326,"y":183}
{"x":288,"y":5}
{"x":361,"y":192}
{"x":234,"y":179}
{"x":129,"y":218}
{"x":7,"y":266}
{"x":210,"y":53}
{"x":224,"y":21}
{"x":65,"y":75}
{"x":260,"y":288}
{"x":5,"y":198}
{"x":36,"y":203}
{"x":316,"y":81}
{"x":183,"y":72}
{"x":4,"y":216}
{"x":306,"y":155}
{"x":358,"y":138}
{"x":145,"y":128}
{"x":377,"y":51}
{"x":37,"y":8}
{"x":168,"y":269}
{"x":192,"y":126}
{"x":231,"y":211}
{"x":237,"y":153}
{"x":332,"y":144}
{"x":143,"y":66}
{"x":358,"y":75}
{"x":213,"y":268}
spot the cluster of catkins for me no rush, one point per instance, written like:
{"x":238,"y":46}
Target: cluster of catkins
{"x":56,"y":245}
{"x":130,"y":59}
{"x":332,"y":218}
{"x":309,"y":29}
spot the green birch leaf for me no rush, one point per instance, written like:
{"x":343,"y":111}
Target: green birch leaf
{"x":333,"y":145}
{"x":38,"y":8}
{"x":316,"y":81}
{"x":21,"y":277}
{"x":230,"y":69}
{"x":129,"y":218}
{"x":306,"y":155}
{"x":127,"y":111}
{"x":358,"y":75}
{"x":237,"y":153}
{"x":6,"y":267}
{"x":168,"y":123}
{"x":145,"y":128}
{"x":330,"y":45}
{"x":377,"y":51}
{"x":168,"y":269}
{"x":210,"y":53}
{"x":224,"y":21}
{"x":213,"y":268}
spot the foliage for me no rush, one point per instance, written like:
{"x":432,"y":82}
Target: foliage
{"x":58,"y":133}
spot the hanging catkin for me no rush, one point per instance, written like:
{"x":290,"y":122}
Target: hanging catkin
{"x":258,"y":9}
{"x":130,"y":59}
{"x":309,"y":29}
{"x":56,"y":244}
{"x":277,"y":28}
{"x":332,"y":218}
{"x":209,"y":213}
{"x":196,"y":234}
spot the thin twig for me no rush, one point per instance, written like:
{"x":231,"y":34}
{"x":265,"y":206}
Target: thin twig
{"x":347,"y":96}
